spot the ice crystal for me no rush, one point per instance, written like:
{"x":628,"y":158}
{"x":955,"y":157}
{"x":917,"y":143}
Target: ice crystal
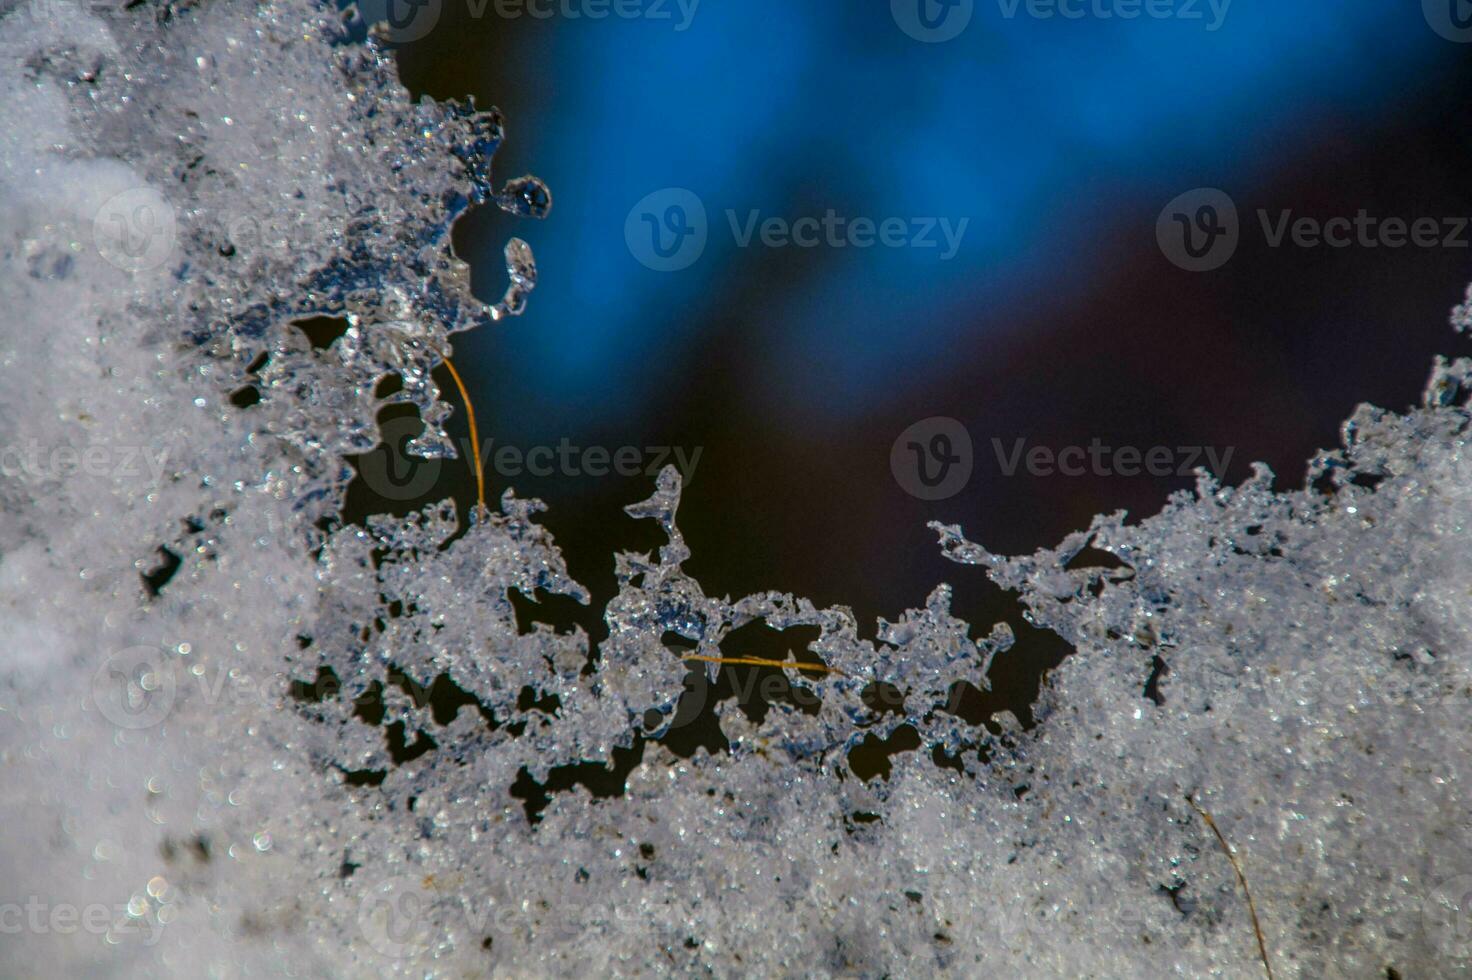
{"x":241,"y":737}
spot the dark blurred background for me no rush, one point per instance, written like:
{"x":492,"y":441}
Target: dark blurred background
{"x":1059,"y":319}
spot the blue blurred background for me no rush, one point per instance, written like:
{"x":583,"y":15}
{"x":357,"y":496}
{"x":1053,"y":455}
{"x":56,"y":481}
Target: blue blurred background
{"x":1049,"y":135}
{"x":1058,"y":319}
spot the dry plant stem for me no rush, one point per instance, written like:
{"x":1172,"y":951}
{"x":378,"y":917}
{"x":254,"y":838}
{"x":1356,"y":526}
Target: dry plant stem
{"x":1262,"y":946}
{"x":758,"y":662}
{"x":480,"y":493}
{"x":480,"y":476}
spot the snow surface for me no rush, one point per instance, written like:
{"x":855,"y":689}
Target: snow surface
{"x":244,"y":772}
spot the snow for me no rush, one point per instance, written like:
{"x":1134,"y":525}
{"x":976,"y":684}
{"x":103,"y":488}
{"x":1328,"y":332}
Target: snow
{"x":246,"y":771}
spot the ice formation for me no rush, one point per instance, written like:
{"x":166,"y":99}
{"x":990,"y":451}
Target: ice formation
{"x":240,"y":737}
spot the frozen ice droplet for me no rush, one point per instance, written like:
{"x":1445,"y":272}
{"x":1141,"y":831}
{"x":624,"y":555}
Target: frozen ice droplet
{"x":521,"y":268}
{"x":526,"y":196}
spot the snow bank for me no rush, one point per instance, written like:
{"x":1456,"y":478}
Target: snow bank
{"x":242,"y":738}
